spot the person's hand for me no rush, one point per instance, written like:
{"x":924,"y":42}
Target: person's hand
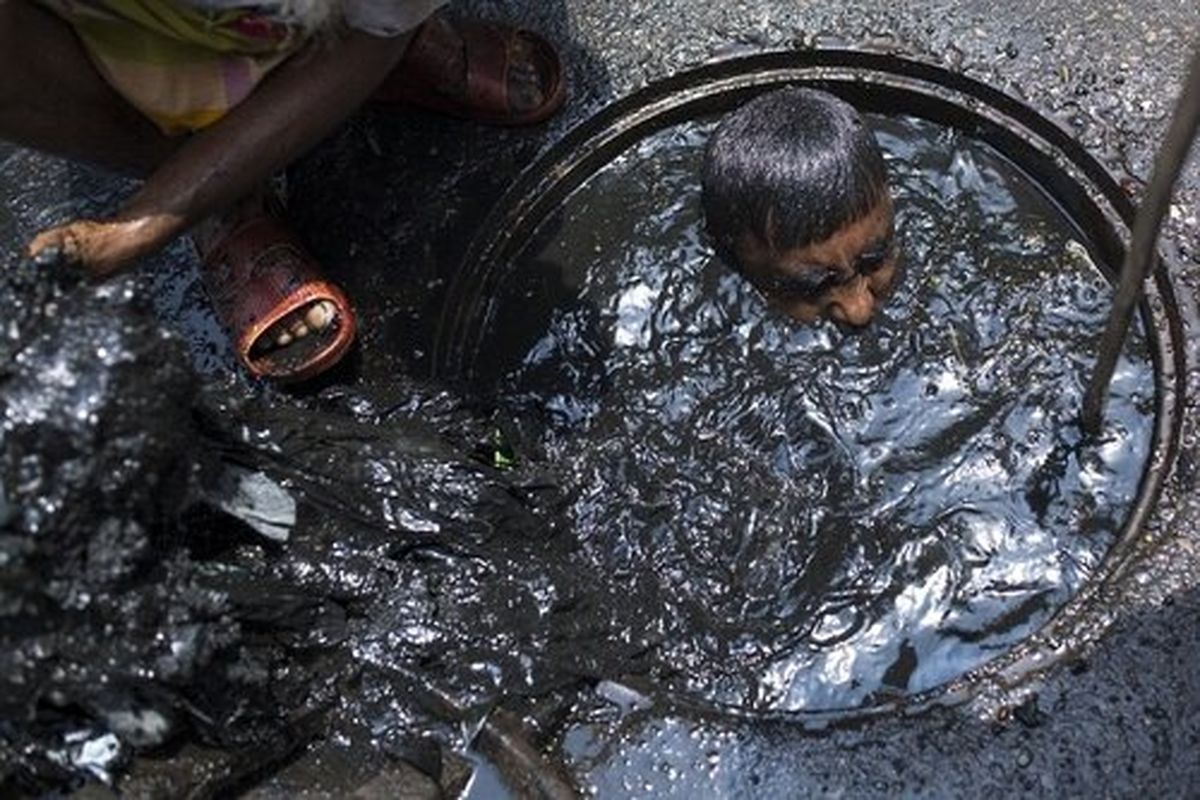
{"x":100,"y":248}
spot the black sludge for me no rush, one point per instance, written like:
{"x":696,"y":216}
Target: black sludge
{"x":821,"y":517}
{"x":183,"y":567}
{"x":94,"y":417}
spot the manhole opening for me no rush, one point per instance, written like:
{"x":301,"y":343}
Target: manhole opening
{"x":597,"y":310}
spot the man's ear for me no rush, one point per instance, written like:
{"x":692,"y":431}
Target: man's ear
{"x":752,"y":253}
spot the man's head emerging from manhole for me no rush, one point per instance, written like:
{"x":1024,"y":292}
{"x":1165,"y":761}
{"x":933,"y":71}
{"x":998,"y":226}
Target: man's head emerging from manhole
{"x":796,"y":199}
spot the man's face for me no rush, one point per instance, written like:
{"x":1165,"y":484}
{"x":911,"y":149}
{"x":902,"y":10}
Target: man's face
{"x":842,"y":277}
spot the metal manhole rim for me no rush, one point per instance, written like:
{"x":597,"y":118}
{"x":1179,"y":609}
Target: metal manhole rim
{"x":1058,"y":164}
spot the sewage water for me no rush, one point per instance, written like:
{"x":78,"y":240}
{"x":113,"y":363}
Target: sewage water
{"x":809,"y":517}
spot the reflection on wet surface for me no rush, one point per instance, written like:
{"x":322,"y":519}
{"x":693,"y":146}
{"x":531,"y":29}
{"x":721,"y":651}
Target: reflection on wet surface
{"x":814,"y":518}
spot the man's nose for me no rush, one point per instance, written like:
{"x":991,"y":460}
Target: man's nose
{"x":853,"y":303}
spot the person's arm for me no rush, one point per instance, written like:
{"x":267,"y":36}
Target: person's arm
{"x":295,"y":106}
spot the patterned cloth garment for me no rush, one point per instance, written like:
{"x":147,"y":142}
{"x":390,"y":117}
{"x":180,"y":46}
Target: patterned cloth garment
{"x":185,"y":63}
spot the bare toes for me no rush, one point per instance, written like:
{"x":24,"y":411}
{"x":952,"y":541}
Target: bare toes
{"x":298,"y":327}
{"x":312,"y":319}
{"x":320,"y":315}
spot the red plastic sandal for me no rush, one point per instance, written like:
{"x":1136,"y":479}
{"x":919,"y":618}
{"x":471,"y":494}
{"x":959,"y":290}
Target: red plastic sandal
{"x":259,"y":274}
{"x":488,"y":51}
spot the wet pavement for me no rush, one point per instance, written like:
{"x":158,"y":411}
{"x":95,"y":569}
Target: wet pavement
{"x":1120,"y":717}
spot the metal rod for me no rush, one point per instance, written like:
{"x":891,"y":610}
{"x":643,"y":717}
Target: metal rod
{"x":1141,"y":255}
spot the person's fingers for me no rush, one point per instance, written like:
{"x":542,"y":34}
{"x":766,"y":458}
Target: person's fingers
{"x":53,"y":248}
{"x":50,"y":257}
{"x":100,"y":248}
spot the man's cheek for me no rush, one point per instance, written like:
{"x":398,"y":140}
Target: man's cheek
{"x":883,"y":280}
{"x":799,"y":310}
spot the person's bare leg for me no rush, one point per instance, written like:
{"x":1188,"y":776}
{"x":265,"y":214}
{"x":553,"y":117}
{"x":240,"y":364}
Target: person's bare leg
{"x":293,"y":108}
{"x":188,"y":179}
{"x":53,"y":99}
{"x":296,"y":105}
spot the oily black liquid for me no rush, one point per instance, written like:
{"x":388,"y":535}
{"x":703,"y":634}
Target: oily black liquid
{"x":822,"y":516}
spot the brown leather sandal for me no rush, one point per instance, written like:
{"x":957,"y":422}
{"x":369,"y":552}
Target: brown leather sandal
{"x":488,"y":51}
{"x":256,"y":276}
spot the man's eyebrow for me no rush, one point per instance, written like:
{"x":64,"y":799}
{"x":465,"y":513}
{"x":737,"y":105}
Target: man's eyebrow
{"x":880,"y":245}
{"x":812,"y":271}
{"x":812,"y":276}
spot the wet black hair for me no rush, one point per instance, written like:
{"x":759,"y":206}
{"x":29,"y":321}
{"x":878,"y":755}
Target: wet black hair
{"x":791,"y":166}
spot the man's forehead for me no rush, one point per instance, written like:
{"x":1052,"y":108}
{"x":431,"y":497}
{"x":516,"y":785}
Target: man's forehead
{"x":854,"y":236}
